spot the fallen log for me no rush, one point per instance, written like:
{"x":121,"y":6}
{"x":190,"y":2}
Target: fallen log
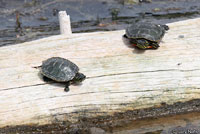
{"x":120,"y":79}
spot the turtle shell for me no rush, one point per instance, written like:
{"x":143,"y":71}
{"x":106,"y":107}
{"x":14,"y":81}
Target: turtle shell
{"x":59,"y":69}
{"x":148,"y":31}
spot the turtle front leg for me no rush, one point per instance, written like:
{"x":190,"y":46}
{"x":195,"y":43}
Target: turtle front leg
{"x":154,"y":45}
{"x":142,"y":44}
{"x":67,"y":87}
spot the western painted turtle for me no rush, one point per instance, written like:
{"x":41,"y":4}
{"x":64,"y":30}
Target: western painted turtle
{"x":145,"y":35}
{"x":61,"y":70}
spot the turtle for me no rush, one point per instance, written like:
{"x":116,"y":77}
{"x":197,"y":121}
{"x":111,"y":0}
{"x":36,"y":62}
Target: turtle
{"x":61,"y":70}
{"x":145,"y":35}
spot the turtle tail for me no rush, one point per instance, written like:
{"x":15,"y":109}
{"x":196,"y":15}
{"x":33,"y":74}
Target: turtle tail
{"x":36,"y":67}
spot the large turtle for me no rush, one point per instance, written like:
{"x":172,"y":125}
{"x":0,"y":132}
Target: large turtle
{"x":145,"y":35}
{"x":61,"y":70}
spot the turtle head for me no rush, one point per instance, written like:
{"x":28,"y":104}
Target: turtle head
{"x":79,"y":78}
{"x":142,"y":44}
{"x":165,"y":27}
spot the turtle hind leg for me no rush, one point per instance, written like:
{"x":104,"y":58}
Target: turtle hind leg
{"x":67,"y":87}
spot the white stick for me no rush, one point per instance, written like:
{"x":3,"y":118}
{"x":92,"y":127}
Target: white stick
{"x":65,"y":24}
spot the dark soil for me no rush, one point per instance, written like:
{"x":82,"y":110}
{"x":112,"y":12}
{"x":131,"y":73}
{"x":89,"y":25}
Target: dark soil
{"x":25,"y":20}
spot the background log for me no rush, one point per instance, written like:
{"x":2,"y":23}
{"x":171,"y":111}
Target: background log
{"x":119,"y":78}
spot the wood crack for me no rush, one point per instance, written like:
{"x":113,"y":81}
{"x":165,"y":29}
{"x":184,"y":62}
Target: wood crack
{"x":166,"y":70}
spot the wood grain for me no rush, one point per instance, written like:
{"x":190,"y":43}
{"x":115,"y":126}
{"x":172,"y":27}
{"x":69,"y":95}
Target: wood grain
{"x":119,"y":78}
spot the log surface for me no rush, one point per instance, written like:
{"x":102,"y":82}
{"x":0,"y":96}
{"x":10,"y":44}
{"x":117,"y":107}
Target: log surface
{"x":119,"y":78}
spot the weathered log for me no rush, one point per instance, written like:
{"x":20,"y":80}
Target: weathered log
{"x":119,"y":78}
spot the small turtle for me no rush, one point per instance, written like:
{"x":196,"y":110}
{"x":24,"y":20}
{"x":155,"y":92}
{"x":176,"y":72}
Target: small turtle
{"x":61,"y":70}
{"x":145,"y":35}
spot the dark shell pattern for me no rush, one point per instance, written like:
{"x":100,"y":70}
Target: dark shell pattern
{"x":148,"y":31}
{"x":59,"y":69}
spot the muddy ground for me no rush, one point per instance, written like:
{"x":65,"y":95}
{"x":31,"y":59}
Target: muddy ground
{"x":38,"y":19}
